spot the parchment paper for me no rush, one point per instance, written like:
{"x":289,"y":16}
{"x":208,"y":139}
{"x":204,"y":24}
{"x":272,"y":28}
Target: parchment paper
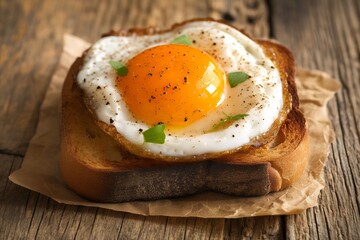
{"x":40,"y":170}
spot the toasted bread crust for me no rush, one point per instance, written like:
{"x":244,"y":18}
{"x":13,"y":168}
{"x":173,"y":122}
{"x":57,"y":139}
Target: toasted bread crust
{"x":91,"y":157}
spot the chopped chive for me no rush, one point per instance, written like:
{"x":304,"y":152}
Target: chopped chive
{"x":235,"y":78}
{"x":183,"y":39}
{"x":228,"y":119}
{"x":119,"y":68}
{"x":237,"y":117}
{"x":155,"y":134}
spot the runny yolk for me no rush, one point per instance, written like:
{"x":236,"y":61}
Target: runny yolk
{"x":173,"y":84}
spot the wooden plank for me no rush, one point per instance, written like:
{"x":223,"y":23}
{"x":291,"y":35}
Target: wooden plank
{"x":198,"y":228}
{"x":250,"y":15}
{"x":255,"y":228}
{"x":33,"y":45}
{"x":13,"y":200}
{"x":325,"y":35}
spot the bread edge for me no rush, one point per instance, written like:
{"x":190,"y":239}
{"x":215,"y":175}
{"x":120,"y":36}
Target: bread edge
{"x":279,"y":175}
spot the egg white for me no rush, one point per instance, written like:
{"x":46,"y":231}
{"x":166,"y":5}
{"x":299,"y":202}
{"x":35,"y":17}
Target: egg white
{"x":260,"y":96}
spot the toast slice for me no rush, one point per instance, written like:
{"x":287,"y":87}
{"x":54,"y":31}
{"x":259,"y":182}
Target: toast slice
{"x":96,"y":167}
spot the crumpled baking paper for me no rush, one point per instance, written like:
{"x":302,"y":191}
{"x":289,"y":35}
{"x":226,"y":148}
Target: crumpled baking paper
{"x":40,"y":169}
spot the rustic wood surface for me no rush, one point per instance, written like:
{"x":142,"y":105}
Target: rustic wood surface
{"x":323,"y":35}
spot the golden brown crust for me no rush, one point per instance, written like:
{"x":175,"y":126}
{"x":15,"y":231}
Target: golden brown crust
{"x":275,"y":179}
{"x":89,"y":157}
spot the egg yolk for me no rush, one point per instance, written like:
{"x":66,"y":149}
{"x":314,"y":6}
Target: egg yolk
{"x":173,"y":84}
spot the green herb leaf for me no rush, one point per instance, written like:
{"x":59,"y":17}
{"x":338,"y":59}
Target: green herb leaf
{"x":155,"y":134}
{"x":228,"y":119}
{"x":237,"y":117}
{"x":183,"y":39}
{"x":119,"y":68}
{"x":235,"y":78}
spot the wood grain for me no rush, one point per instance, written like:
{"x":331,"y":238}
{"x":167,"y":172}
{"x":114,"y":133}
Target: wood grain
{"x":327,"y":38}
{"x":322,"y":34}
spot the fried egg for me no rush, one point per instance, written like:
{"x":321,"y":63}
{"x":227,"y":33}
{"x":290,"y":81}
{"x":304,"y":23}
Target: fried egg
{"x":186,"y":88}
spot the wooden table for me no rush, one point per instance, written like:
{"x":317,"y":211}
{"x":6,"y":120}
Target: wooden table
{"x":323,"y":34}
